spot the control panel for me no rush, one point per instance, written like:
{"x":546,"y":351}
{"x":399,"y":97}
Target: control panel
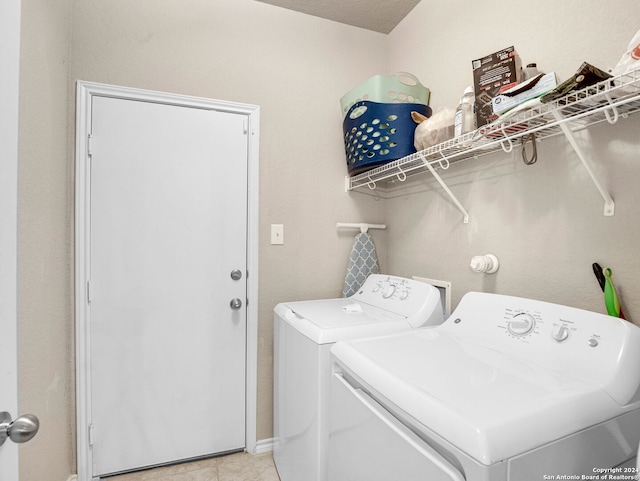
{"x":418,"y":301}
{"x":391,"y":288}
{"x":522,"y":324}
{"x":382,"y":288}
{"x":593,"y":347}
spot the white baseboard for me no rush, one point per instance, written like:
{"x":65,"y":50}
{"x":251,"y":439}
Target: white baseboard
{"x":264,"y":446}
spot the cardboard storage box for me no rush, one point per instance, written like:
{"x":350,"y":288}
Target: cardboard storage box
{"x":500,"y":70}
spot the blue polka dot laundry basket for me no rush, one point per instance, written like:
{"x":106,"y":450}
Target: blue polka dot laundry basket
{"x":401,"y":87}
{"x":376,"y":133}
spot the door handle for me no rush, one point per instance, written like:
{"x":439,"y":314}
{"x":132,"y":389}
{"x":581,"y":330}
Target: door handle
{"x":236,"y":274}
{"x":235,"y":303}
{"x":19,"y":431}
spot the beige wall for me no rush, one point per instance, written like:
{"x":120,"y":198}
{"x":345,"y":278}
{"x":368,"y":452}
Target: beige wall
{"x":45,"y":202}
{"x":544,"y":221}
{"x":249,"y":52}
{"x":295,"y":67}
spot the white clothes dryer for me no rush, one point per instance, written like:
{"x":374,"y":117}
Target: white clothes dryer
{"x":304,"y":332}
{"x":506,"y":389}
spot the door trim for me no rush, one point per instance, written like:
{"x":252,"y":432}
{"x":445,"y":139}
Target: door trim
{"x":9,"y":130}
{"x":84,"y":93}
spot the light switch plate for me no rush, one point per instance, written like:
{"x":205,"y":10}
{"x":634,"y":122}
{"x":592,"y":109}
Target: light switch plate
{"x":277,"y":234}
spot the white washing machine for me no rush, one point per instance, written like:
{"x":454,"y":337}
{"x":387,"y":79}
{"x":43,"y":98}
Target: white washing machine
{"x":304,"y":332}
{"x":505,"y":389}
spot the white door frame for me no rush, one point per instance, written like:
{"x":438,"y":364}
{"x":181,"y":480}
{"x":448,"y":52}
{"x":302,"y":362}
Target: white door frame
{"x":85,"y":91}
{"x":9,"y":88}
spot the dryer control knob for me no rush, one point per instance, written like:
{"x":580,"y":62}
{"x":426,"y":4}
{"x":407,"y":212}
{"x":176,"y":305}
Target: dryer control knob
{"x":560,"y":333}
{"x":521,"y":324}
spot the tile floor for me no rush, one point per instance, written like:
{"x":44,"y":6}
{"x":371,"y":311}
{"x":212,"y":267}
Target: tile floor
{"x":234,"y":467}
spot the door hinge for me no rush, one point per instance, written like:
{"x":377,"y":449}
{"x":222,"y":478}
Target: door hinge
{"x":89,"y":145}
{"x":90,"y":434}
{"x":88,"y":292}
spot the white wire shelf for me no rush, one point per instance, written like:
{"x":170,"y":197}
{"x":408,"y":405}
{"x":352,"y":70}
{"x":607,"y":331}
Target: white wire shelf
{"x":605,"y":101}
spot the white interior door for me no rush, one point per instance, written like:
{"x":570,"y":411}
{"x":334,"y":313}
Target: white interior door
{"x":168,"y":217}
{"x":9,"y":55}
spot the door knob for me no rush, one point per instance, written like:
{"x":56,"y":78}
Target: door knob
{"x":19,"y":431}
{"x":235,"y":303}
{"x":236,"y":274}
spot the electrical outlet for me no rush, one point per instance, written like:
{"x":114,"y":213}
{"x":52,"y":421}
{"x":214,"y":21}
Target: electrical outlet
{"x":277,"y":234}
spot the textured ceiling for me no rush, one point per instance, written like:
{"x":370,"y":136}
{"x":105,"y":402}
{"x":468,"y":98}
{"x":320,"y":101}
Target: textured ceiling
{"x":377,"y":15}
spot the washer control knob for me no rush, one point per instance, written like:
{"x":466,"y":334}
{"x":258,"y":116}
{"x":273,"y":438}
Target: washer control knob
{"x":389,"y":291}
{"x":560,"y":333}
{"x":521,"y":324}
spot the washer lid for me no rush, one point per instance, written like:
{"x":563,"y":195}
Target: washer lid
{"x":330,"y":320}
{"x":488,"y":404}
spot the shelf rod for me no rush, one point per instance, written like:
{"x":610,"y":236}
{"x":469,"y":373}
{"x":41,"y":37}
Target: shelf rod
{"x":609,"y":205}
{"x":363,"y":226}
{"x":455,"y":200}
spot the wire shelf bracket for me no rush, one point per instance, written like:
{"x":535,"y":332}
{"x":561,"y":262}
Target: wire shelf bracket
{"x":609,"y":205}
{"x":454,"y":199}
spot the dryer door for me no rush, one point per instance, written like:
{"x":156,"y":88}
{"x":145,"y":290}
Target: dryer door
{"x":366,"y":443}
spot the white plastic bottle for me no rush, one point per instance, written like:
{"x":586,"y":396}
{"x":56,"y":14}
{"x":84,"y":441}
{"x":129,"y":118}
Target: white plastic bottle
{"x":530,"y":71}
{"x":465,"y":119}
